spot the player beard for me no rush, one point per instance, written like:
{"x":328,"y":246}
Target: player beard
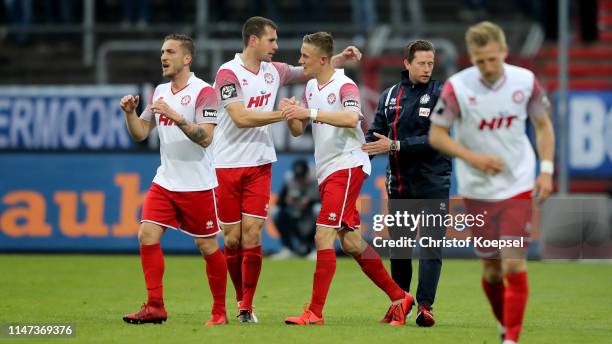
{"x":171,"y":72}
{"x":268,"y":57}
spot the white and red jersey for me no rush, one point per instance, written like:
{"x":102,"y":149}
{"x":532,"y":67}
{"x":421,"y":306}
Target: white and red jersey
{"x":491,"y":119}
{"x":257,"y":90}
{"x":185,"y":165}
{"x":336,"y":148}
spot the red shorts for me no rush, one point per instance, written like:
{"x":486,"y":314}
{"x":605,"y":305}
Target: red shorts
{"x":339,"y":193}
{"x":243,"y":191}
{"x":506,"y":219}
{"x":193,"y":212}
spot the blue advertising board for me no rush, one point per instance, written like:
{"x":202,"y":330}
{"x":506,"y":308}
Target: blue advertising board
{"x":63,"y":118}
{"x":92,"y":202}
{"x":589,"y":141}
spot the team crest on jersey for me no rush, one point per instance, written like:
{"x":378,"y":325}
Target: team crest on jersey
{"x":209,"y":224}
{"x":185,"y":100}
{"x":245,"y":82}
{"x":269,"y":78}
{"x":472,"y":100}
{"x":332,"y":217}
{"x":310,"y":96}
{"x":228,"y":91}
{"x":425,"y":99}
{"x":392,"y":101}
{"x":518,"y":96}
{"x":331,"y":98}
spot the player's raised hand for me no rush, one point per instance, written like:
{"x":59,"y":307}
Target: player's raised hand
{"x":129,"y":103}
{"x":487,"y":164}
{"x":296,"y":112}
{"x":161,"y":107}
{"x":380,"y":146}
{"x":351,"y":53}
{"x":543,"y":187}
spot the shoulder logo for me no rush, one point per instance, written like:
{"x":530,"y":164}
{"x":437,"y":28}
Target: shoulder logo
{"x":331,"y":98}
{"x":440,"y":107}
{"x":425,"y":99}
{"x":209,"y":113}
{"x":228,"y":91}
{"x":269,"y":78}
{"x":518,"y":96}
{"x":185,"y":100}
{"x":350,"y":103}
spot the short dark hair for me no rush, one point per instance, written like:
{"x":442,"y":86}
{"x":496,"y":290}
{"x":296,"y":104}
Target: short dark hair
{"x":418,"y":45}
{"x":255,"y":26}
{"x":324,"y":41}
{"x":186,"y":41}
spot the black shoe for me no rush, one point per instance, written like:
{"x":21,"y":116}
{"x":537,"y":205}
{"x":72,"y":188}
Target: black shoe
{"x":246,"y":316}
{"x":425,"y":317}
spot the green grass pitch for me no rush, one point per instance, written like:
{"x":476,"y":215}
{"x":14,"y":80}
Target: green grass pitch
{"x":569,"y":303}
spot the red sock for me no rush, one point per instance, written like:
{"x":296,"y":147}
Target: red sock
{"x":233,"y":257}
{"x":152,"y":259}
{"x":515,"y":302}
{"x":495,"y":294}
{"x":216,"y":270}
{"x":251,"y":267}
{"x":324,"y":273}
{"x":373,"y":267}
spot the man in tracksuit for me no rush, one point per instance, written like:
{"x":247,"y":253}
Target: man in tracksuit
{"x":418,"y":177}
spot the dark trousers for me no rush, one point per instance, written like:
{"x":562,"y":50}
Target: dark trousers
{"x":297,"y":232}
{"x":430,"y":258}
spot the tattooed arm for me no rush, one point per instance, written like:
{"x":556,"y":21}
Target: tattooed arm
{"x":201,"y":134}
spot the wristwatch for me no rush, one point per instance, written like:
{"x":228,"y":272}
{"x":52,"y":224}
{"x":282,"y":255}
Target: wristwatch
{"x":393,"y":146}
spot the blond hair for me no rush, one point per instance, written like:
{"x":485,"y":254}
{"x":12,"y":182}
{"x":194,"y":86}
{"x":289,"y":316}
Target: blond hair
{"x":484,"y":33}
{"x":324,"y":41}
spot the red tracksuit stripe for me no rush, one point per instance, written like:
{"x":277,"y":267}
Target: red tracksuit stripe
{"x":395,"y":155}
